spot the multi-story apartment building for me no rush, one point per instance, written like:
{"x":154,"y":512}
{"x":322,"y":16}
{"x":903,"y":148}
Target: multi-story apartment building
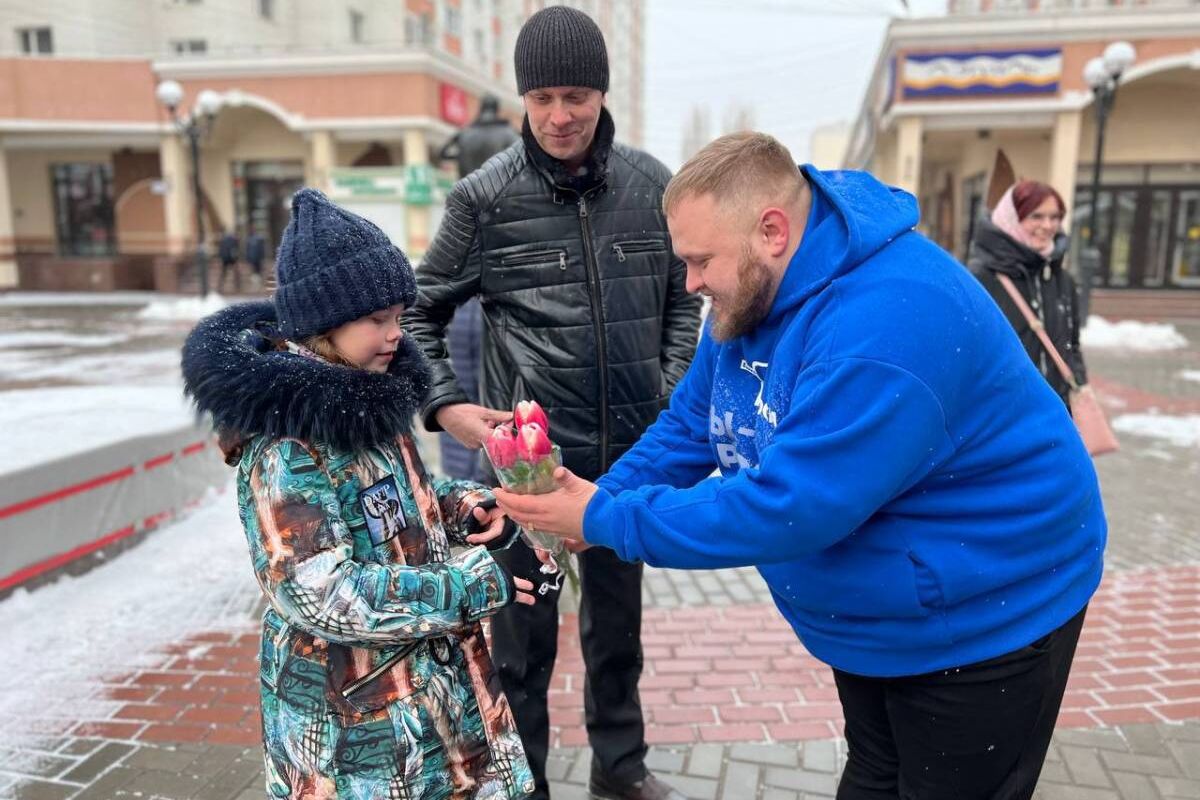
{"x":353,"y":96}
{"x":948,"y":92}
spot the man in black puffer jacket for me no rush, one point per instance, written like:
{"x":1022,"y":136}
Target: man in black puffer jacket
{"x":563,"y":239}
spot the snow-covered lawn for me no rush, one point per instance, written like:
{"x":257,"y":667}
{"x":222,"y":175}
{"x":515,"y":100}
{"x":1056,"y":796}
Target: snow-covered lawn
{"x":62,"y":639}
{"x":1129,"y":334}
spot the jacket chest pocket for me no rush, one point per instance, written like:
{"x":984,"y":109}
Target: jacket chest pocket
{"x":642,"y":257}
{"x":535,"y":258}
{"x":624,"y":251}
{"x":527,"y":269}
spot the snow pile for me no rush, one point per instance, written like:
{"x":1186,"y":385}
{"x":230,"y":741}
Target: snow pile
{"x":1183,"y":431}
{"x":188,"y":578}
{"x":1190,"y":375}
{"x":183,"y":308}
{"x":1129,"y":334}
{"x":52,"y":423}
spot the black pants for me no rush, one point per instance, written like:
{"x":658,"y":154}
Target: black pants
{"x":525,"y":643}
{"x":226,"y":268}
{"x":979,"y":732}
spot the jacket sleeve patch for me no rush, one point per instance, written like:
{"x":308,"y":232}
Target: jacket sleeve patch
{"x":383,"y":510}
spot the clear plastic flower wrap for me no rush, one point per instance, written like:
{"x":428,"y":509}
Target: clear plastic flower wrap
{"x":524,"y":460}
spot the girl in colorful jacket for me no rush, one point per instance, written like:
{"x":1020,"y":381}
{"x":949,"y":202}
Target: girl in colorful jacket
{"x":376,"y":681}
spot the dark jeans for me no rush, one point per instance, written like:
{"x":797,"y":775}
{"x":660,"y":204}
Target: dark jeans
{"x":979,"y":732}
{"x":524,"y":645}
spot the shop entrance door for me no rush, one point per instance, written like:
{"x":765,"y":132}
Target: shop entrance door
{"x":262,"y":195}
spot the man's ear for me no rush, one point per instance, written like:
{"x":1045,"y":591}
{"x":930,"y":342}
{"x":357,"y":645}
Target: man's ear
{"x":774,"y":230}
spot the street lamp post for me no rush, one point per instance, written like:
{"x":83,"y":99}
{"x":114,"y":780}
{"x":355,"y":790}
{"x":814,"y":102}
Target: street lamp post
{"x":1102,"y":74}
{"x":193,"y":127}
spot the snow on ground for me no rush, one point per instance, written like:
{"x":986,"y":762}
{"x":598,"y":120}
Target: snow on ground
{"x":1129,"y":334}
{"x":50,"y":423}
{"x":1190,"y":375}
{"x":183,"y":308}
{"x":62,"y":639}
{"x":157,"y":367}
{"x":44,"y":338}
{"x":46,"y":299}
{"x":1181,"y":431}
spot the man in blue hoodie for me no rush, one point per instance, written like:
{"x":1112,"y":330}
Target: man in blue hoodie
{"x":912,"y":491}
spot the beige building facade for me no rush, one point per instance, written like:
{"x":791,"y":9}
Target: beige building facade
{"x":355,"y":97}
{"x":948,"y":93}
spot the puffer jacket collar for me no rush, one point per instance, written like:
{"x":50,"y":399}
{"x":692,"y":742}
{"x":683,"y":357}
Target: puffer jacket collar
{"x":234,"y":371}
{"x":1001,"y":253}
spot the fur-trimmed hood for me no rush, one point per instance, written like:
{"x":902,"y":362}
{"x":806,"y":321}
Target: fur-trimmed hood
{"x":233,"y":371}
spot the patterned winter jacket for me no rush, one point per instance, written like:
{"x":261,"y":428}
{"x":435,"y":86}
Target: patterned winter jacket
{"x":376,"y":681}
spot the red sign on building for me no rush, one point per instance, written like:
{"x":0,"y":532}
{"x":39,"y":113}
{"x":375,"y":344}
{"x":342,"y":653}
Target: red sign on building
{"x":454,"y":105}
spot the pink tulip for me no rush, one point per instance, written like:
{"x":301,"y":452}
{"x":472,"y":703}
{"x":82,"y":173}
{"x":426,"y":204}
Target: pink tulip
{"x":502,"y":447}
{"x":529,"y":411}
{"x":532,"y":442}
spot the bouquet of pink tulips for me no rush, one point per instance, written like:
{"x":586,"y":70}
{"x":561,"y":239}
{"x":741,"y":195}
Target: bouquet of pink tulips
{"x":524,"y":460}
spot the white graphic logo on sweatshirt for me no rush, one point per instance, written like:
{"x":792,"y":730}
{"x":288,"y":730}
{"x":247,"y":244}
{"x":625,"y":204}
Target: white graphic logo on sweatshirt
{"x":722,"y":426}
{"x":760,"y":407}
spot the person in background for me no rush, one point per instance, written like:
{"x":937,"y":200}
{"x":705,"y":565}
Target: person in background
{"x":1023,"y":239}
{"x":488,"y":134}
{"x":227,"y":251}
{"x":256,"y":254}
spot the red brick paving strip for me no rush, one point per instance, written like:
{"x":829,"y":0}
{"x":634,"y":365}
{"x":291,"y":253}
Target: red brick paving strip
{"x":716,"y":675}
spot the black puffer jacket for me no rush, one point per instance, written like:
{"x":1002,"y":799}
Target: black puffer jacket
{"x":585,"y":306}
{"x":1047,"y":288}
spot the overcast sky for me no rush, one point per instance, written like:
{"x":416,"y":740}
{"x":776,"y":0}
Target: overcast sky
{"x":796,"y":64}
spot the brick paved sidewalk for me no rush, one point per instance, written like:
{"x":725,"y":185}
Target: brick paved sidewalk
{"x":713,"y":676}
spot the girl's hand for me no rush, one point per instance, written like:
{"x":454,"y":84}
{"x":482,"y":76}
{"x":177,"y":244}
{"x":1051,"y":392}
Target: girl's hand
{"x":491,"y":520}
{"x":525,"y":594}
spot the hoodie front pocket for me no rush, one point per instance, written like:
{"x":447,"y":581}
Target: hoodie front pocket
{"x":929,"y":590}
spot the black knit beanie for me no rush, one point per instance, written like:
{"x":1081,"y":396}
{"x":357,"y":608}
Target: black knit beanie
{"x":560,"y":46}
{"x":334,"y":267}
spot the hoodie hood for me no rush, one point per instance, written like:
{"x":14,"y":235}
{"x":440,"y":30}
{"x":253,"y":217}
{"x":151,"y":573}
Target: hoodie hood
{"x":234,"y":371}
{"x":995,"y":249}
{"x":853,"y":216}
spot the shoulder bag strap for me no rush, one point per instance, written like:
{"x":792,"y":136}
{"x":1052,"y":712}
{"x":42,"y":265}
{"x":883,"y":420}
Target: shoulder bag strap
{"x":1038,"y":328}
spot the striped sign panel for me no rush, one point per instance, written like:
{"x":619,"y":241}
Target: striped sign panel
{"x":983,"y":72}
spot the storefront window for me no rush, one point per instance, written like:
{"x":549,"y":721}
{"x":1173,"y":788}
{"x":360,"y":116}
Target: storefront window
{"x":1119,"y":257}
{"x":83,"y":209}
{"x":1158,"y":239}
{"x":1187,"y":251}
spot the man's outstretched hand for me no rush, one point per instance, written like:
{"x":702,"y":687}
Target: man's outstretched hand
{"x":559,"y":512}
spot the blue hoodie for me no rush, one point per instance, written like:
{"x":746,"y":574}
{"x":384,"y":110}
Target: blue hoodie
{"x":912,"y":490}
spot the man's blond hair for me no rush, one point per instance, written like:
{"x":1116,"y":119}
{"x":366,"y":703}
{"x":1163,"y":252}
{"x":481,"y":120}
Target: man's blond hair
{"x":744,"y":172}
